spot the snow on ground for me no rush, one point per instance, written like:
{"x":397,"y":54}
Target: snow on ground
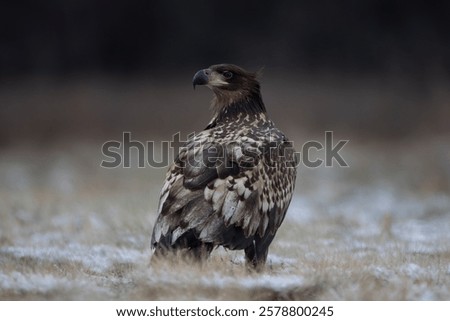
{"x":377,"y":230}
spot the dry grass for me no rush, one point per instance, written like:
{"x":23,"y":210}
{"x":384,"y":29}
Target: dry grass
{"x":378,"y":230}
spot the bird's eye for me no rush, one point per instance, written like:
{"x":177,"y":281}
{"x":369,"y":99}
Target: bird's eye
{"x":227,"y":74}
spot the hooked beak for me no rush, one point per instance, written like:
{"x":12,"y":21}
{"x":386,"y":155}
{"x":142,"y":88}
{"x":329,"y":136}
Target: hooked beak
{"x":201,"y":77}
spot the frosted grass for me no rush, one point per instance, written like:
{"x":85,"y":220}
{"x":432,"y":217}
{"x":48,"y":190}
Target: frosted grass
{"x":378,"y":230}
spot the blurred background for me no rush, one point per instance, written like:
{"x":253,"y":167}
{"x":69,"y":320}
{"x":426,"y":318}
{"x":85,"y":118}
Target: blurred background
{"x":77,"y":73}
{"x":91,"y":69}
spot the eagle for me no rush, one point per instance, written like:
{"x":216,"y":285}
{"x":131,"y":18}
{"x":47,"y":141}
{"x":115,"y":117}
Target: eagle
{"x":231,"y":183}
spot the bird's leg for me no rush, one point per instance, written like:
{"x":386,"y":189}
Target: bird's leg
{"x":201,"y":253}
{"x":195,"y":255}
{"x":256,"y":256}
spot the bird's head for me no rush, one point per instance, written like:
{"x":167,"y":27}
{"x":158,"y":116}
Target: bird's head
{"x":229,"y":83}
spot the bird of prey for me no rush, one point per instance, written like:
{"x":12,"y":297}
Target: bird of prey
{"x":231,"y":183}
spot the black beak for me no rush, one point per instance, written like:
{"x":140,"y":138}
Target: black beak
{"x":200,"y":78}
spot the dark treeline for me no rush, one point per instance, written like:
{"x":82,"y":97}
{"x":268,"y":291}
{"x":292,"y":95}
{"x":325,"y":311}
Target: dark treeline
{"x":96,"y":68}
{"x":55,"y":37}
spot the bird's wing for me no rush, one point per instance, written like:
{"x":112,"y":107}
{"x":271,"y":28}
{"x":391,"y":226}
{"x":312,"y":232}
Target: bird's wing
{"x":212,"y":186}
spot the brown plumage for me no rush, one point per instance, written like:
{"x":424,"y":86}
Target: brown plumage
{"x":232,"y":183}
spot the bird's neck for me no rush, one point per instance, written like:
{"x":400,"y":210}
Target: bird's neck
{"x":232,"y":108}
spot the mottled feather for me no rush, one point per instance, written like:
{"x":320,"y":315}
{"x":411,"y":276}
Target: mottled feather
{"x":232,"y":183}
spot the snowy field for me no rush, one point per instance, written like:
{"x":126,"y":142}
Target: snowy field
{"x":377,"y":230}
